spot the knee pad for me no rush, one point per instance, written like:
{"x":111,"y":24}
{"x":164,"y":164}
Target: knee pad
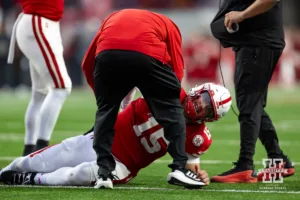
{"x":32,"y":164}
{"x":67,"y":91}
{"x":41,"y":90}
{"x":81,"y":175}
{"x":61,"y":93}
{"x":68,"y":88}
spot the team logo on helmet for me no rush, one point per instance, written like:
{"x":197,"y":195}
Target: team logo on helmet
{"x":198,"y":140}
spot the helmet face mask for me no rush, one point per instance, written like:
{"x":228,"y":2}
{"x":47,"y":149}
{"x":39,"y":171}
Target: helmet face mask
{"x":198,"y":108}
{"x":206,"y":103}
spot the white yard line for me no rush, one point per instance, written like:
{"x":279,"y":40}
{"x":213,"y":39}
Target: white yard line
{"x":237,"y":142}
{"x":165,"y":189}
{"x":20,"y":136}
{"x":7,"y":158}
{"x":280,"y":125}
{"x":254,"y":191}
{"x":16,"y":137}
{"x":210,"y":162}
{"x":215,"y":162}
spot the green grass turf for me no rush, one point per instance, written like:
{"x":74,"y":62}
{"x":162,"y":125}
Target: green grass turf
{"x":77,"y":117}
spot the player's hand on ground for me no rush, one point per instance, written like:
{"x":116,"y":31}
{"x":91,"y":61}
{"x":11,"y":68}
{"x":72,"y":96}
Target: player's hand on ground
{"x":203,"y":176}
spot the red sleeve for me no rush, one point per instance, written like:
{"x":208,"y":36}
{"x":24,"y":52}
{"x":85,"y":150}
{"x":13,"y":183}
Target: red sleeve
{"x":182,"y":95}
{"x":198,"y":140}
{"x":88,"y":62}
{"x":174,"y":48}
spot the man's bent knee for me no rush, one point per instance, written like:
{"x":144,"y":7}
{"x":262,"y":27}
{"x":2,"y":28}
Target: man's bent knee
{"x":81,"y":175}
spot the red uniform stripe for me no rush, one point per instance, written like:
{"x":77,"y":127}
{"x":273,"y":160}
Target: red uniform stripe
{"x":51,"y":53}
{"x":41,"y":150}
{"x":43,"y":51}
{"x":224,"y":101}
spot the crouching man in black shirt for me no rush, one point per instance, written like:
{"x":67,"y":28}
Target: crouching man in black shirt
{"x":254,"y":29}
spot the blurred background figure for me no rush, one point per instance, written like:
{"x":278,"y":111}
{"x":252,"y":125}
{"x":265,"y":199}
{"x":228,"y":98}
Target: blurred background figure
{"x":37,"y":34}
{"x":201,"y":51}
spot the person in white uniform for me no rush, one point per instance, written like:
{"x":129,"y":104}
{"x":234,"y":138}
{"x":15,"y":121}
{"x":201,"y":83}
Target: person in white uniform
{"x":37,"y":32}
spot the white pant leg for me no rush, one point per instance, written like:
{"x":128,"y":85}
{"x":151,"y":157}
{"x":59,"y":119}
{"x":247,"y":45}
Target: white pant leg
{"x":81,"y":175}
{"x":40,"y":40}
{"x":32,"y":116}
{"x":84,"y":174}
{"x":70,"y":153}
{"x":121,"y":173}
{"x":37,"y":82}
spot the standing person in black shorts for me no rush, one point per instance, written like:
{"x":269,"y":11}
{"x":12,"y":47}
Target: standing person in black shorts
{"x":254,"y":29}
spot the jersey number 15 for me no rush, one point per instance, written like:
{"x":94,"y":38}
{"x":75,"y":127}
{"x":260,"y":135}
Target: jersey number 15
{"x":152,"y":137}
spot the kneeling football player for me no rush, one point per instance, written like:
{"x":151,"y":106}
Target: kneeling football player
{"x":138,"y":142}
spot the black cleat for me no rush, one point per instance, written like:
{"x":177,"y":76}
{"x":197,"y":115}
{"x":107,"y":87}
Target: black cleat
{"x":240,"y":173}
{"x":28,"y":149}
{"x":18,"y":178}
{"x":40,"y":144}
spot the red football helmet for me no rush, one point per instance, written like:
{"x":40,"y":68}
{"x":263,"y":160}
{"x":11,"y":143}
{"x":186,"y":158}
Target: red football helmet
{"x":207,"y":102}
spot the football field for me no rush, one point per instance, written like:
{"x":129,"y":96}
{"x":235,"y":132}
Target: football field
{"x":77,"y":117}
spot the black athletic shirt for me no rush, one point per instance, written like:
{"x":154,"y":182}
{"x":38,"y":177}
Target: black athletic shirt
{"x":265,"y":29}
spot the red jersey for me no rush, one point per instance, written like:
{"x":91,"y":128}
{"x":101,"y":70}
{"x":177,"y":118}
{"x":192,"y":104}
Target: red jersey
{"x":139,"y":139}
{"x":143,"y":31}
{"x":50,"y":9}
{"x":202,"y":58}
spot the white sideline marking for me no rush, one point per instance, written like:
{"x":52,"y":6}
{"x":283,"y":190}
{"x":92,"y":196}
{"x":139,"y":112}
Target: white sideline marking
{"x":163,"y":189}
{"x":237,"y":142}
{"x":251,"y":191}
{"x":7,"y":158}
{"x":20,"y":136}
{"x":211,"y":162}
{"x":11,"y":137}
{"x":64,"y":134}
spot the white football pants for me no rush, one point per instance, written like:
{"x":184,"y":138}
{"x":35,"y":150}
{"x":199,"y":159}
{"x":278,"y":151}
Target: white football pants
{"x":71,"y":162}
{"x":40,"y":40}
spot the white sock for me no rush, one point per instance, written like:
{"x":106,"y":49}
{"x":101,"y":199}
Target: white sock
{"x":32,"y":117}
{"x":40,"y":179}
{"x":58,"y":177}
{"x":50,"y":112}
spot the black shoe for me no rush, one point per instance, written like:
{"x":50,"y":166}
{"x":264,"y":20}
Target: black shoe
{"x":289,"y":167}
{"x":18,"y":178}
{"x":28,"y":149}
{"x":184,"y":177}
{"x":240,"y":173}
{"x":40,"y":144}
{"x":237,"y":167}
{"x":288,"y":163}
